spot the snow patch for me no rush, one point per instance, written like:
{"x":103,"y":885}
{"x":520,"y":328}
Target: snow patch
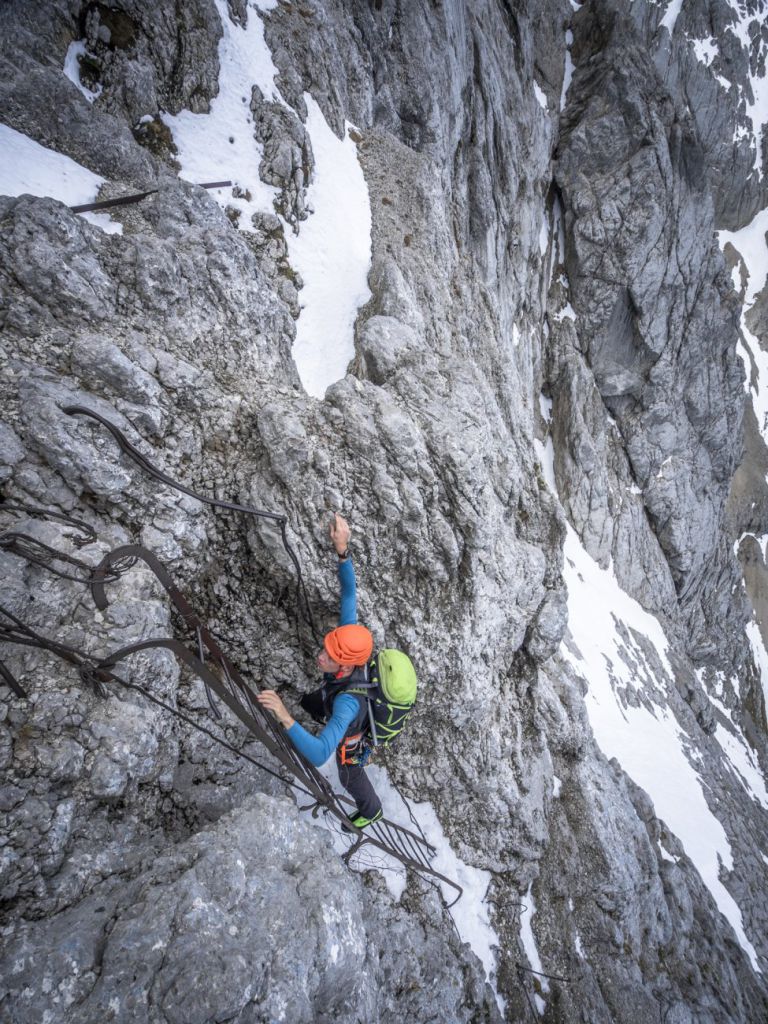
{"x":544,"y":236}
{"x":332,"y":252}
{"x":471,"y":913}
{"x":670,"y":18}
{"x":750,"y":243}
{"x":665,"y":854}
{"x":762,"y":542}
{"x":72,"y":69}
{"x":705,"y":50}
{"x":627,"y":707}
{"x":566,"y":313}
{"x":221,"y":144}
{"x":529,"y":945}
{"x":759,"y":653}
{"x":557,"y":786}
{"x":27,"y":168}
{"x":568,"y":71}
{"x":546,"y":454}
{"x":540,"y":96}
{"x":743,"y":763}
{"x":545,"y":408}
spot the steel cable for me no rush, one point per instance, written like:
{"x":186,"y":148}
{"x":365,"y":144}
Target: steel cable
{"x":302,"y":598}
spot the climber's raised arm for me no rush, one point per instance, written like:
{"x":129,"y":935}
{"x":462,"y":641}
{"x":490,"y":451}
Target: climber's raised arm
{"x":340,"y":534}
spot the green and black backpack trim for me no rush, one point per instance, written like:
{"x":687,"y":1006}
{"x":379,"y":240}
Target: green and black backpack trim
{"x":390,"y":695}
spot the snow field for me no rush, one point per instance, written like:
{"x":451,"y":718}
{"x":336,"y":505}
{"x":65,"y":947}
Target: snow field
{"x":27,"y":168}
{"x":220,"y":145}
{"x":627,"y":710}
{"x":332,"y":250}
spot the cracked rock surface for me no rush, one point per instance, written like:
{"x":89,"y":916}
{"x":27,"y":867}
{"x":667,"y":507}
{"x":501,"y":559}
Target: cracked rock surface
{"x":545,"y":269}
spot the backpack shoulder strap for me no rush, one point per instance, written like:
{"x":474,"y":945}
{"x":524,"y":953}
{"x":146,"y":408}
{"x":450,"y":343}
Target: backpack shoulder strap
{"x":365,"y":690}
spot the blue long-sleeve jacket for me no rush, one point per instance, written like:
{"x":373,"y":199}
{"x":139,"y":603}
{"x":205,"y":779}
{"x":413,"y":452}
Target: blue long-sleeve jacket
{"x":317,"y":749}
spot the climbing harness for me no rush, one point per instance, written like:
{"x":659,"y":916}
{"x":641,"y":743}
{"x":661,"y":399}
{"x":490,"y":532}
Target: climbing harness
{"x":222,"y":680}
{"x":354,"y":750}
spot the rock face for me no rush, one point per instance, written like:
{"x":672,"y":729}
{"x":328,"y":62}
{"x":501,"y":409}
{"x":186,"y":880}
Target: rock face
{"x":545,"y":270}
{"x":133,"y":950}
{"x":657,"y":320}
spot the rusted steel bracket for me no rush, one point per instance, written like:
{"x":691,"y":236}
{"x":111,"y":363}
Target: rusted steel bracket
{"x":37,"y":552}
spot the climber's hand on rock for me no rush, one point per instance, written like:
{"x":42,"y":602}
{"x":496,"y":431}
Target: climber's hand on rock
{"x":340,"y":533}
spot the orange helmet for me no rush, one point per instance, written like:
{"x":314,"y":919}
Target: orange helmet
{"x":349,"y":645}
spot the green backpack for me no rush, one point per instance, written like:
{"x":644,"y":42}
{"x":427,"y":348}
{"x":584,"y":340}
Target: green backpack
{"x":391,"y":695}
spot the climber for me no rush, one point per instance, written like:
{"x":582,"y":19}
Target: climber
{"x":343,"y":660}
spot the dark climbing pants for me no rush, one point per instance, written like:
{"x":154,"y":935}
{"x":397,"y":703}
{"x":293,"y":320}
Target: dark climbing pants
{"x":351,"y":776}
{"x":358,"y":785}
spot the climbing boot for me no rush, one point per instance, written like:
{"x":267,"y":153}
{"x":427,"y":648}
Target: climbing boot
{"x":360,"y":821}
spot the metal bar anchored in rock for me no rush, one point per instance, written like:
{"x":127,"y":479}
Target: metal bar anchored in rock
{"x":137,"y":197}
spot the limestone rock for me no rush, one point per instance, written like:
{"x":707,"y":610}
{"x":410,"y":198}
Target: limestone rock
{"x":549,"y":348}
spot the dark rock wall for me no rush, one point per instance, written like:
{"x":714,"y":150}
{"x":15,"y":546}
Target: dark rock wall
{"x":658,"y":320}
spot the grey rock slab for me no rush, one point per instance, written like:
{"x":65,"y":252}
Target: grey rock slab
{"x":240,"y":887}
{"x":55,"y":436}
{"x":97,"y":360}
